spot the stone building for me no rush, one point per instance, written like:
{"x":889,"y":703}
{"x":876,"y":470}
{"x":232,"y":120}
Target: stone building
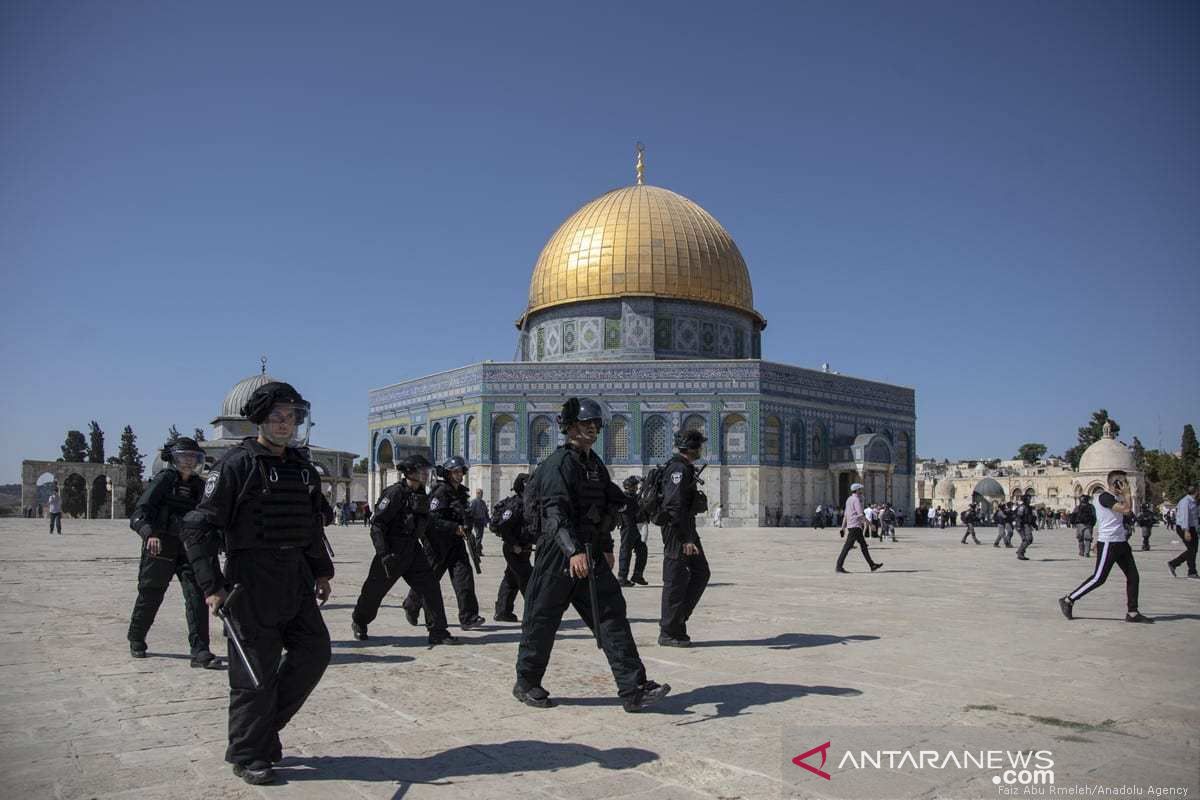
{"x":1050,"y":483}
{"x":642,"y":301}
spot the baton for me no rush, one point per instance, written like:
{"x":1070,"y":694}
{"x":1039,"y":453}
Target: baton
{"x":231,"y":633}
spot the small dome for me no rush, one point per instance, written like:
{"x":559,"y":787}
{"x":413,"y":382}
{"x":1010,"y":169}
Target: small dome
{"x":989,"y":487}
{"x":1105,"y":455}
{"x":945,"y":489}
{"x":239,"y":394}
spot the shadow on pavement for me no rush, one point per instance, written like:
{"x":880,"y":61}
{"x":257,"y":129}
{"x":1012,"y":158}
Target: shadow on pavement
{"x":789,"y":641}
{"x":502,"y":758}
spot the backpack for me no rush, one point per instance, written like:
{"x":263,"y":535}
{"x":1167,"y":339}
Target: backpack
{"x":506,"y":518}
{"x":531,"y":506}
{"x":649,"y":499}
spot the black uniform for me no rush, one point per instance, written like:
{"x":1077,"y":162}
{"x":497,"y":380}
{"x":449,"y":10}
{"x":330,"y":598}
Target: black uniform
{"x":159,"y":513}
{"x":577,"y":505}
{"x":266,"y":511}
{"x":1026,"y":519}
{"x":448,"y":511}
{"x":1003,"y":527}
{"x":684,"y":577}
{"x":970,"y":517}
{"x":1145,"y":521}
{"x":401,"y":517}
{"x":508,"y":522}
{"x":1085,"y":522}
{"x":631,"y":541}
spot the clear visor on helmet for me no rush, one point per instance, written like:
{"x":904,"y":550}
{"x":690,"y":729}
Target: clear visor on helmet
{"x":599,"y":422}
{"x":287,"y":425}
{"x":420,"y":475}
{"x":188,"y":459}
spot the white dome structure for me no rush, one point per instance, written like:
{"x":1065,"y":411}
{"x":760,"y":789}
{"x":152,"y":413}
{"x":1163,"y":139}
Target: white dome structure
{"x":1107,"y":454}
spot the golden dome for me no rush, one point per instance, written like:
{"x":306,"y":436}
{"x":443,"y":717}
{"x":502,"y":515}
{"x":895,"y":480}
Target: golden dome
{"x":641,"y":241}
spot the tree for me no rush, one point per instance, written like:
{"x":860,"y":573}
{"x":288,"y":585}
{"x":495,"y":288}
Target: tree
{"x":172,"y":434}
{"x":1139,"y":455}
{"x":95,"y":454}
{"x":1089,"y":434}
{"x":198,"y":435}
{"x":74,"y":449}
{"x":131,"y":459}
{"x":361,"y":466}
{"x":1189,"y":454}
{"x":1031,"y":452}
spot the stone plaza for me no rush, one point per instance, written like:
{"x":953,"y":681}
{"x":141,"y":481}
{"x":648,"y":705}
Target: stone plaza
{"x":946,"y":637}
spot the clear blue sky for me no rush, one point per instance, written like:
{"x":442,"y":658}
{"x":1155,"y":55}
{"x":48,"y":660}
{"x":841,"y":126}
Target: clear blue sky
{"x":996,"y":203}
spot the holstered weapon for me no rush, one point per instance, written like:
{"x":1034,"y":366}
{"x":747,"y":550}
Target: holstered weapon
{"x":233,"y":634}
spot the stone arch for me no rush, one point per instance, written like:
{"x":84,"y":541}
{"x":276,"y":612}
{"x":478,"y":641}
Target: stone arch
{"x":435,"y":442}
{"x":735,"y":436}
{"x":470,"y":441}
{"x":655,"y":447}
{"x":697,"y":422}
{"x":541,"y":439}
{"x":772,"y":443}
{"x":504,"y":437}
{"x":616,"y":439}
{"x":796,"y":443}
{"x":454,"y":439}
{"x":99,"y":506}
{"x":818,"y":444}
{"x":113,"y":490}
{"x":74,"y":492}
{"x":385,"y":452}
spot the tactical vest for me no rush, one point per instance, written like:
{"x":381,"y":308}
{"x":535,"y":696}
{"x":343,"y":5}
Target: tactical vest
{"x":277,"y":510}
{"x":592,"y":512}
{"x":179,"y":499}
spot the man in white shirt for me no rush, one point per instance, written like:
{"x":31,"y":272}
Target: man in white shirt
{"x":1112,"y":539}
{"x":852,"y":525}
{"x":1185,"y":526}
{"x":54,"y":505}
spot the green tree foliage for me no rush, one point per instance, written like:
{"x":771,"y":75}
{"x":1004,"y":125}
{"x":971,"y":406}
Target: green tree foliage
{"x":173,"y":434}
{"x":95,"y":453}
{"x":361,"y":466}
{"x":1189,"y":453}
{"x":1089,"y":434}
{"x":1139,"y":454}
{"x":198,"y":435}
{"x":74,"y":449}
{"x":74,"y":496}
{"x":131,"y":459}
{"x":1030,"y":452}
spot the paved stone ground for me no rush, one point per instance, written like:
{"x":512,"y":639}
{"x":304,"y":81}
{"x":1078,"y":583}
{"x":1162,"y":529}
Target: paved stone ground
{"x":946,"y":635}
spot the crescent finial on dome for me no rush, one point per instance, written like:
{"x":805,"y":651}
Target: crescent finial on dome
{"x":640,"y":167}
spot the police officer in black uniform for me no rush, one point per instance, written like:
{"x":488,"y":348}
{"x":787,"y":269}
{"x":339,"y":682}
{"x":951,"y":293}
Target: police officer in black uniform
{"x":576,"y":504}
{"x":970,"y":517}
{"x":1145,"y":521}
{"x":158,"y":519}
{"x":508,"y":522}
{"x":631,"y":538}
{"x":447,"y":545}
{"x":1026,"y":520}
{"x":685,"y":569}
{"x":1085,"y":523}
{"x":401,"y":518}
{"x":263,"y":504}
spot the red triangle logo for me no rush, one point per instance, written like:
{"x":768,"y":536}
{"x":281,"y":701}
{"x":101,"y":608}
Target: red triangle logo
{"x":823,"y":750}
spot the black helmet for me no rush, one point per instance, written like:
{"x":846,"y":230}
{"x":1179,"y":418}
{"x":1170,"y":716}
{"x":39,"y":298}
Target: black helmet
{"x":269,"y":394}
{"x":415,"y":463}
{"x":518,"y":484}
{"x":453,"y":463}
{"x":631,"y":483}
{"x":690,"y":439}
{"x":576,"y":410}
{"x":181,"y":445}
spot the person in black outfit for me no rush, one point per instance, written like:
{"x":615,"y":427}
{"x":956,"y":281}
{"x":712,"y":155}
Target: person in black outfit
{"x":631,"y":538}
{"x":263,"y":504}
{"x":573,"y":504}
{"x":447,"y":547}
{"x":401,"y":518}
{"x":685,"y":569}
{"x":970,"y":517}
{"x":1145,"y":521}
{"x":1026,"y":521}
{"x":508,"y":522}
{"x":158,"y":518}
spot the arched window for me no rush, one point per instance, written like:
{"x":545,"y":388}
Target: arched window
{"x":470,"y":444}
{"x":734,"y":439}
{"x":796,"y":440}
{"x":771,"y":433}
{"x":616,"y":439}
{"x":453,"y":439}
{"x":435,"y":442}
{"x":817,"y":453}
{"x":902,"y":449}
{"x":696,"y":422}
{"x":383,"y":456}
{"x":654,"y":439}
{"x":541,"y":440}
{"x":504,"y":437}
